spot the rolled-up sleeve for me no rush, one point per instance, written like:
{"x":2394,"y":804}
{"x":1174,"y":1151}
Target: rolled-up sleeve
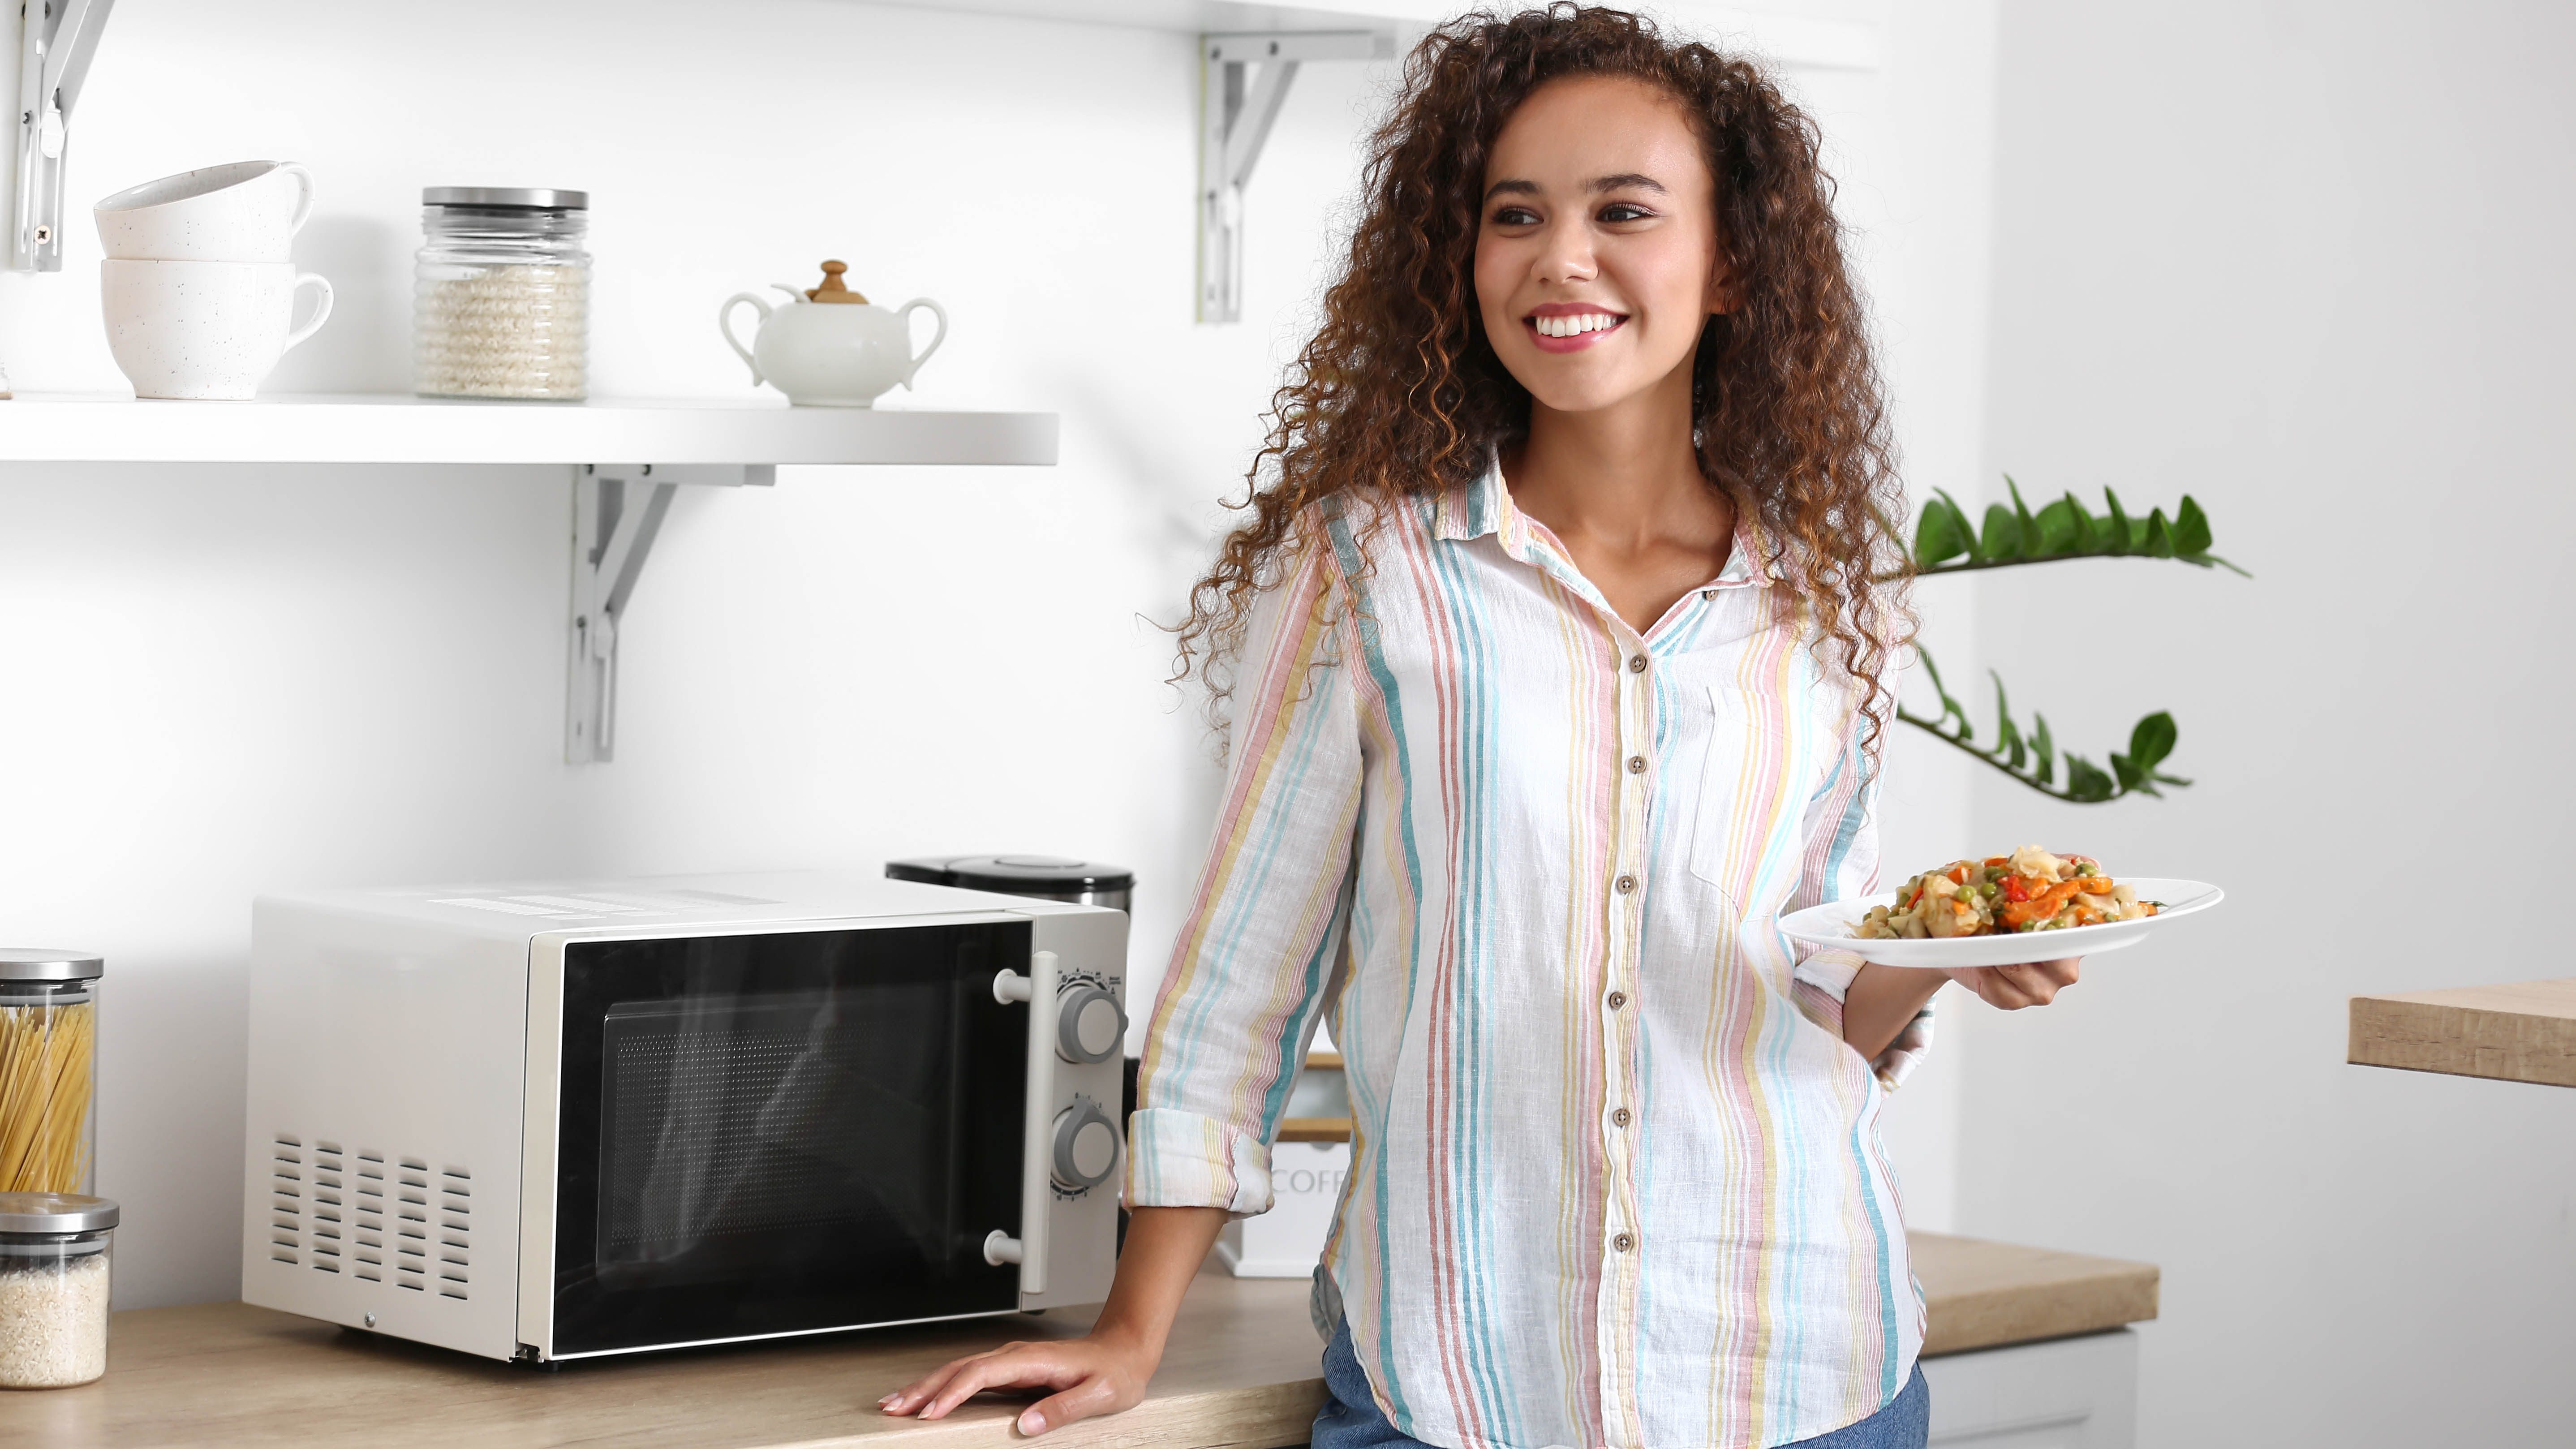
{"x":1256,"y":954}
{"x":1841,"y":864}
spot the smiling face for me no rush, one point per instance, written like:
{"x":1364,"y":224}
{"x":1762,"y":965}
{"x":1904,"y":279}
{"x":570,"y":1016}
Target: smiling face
{"x":1597,"y":258}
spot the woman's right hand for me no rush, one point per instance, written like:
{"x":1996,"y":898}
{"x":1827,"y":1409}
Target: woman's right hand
{"x":1095,"y":1374}
{"x":1105,"y":1370}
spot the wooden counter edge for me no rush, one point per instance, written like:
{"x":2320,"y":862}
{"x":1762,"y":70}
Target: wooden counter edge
{"x":2027,"y":1294}
{"x":1260,"y":1416}
{"x":2525,"y":1032}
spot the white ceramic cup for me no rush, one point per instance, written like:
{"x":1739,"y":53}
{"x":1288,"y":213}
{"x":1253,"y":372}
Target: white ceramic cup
{"x":248,"y":211}
{"x":204,"y":329}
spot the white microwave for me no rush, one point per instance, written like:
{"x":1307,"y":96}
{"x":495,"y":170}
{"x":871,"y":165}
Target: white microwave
{"x":554,"y":1120}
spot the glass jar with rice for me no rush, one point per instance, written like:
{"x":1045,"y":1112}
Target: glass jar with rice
{"x":501,"y":294}
{"x":54,"y":1250}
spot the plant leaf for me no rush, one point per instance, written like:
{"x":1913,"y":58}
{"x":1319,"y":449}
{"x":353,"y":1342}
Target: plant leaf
{"x":2190,"y":528}
{"x":2087,"y":538}
{"x":2007,"y":734}
{"x":2030,"y":539}
{"x":2002,"y":535}
{"x":2121,"y":529}
{"x":1950,"y":708}
{"x":2085,"y":782}
{"x":2152,"y":740}
{"x":1942,"y":534}
{"x":2057,"y":526}
{"x":2159,"y":542}
{"x":2043,"y":747}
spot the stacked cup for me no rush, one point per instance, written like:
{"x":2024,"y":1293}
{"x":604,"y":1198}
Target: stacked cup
{"x":199,"y":290}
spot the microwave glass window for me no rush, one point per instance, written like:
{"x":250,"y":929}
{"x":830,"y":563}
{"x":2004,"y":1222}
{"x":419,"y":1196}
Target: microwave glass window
{"x":786,"y":1132}
{"x":727,"y":1122}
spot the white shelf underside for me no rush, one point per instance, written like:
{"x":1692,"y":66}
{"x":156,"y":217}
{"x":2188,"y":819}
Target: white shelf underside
{"x":104,"y":428}
{"x":1791,"y":39}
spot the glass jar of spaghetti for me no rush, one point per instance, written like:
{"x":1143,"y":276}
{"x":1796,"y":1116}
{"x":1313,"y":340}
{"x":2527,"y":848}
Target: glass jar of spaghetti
{"x":53,"y":1288}
{"x":48,"y":1069}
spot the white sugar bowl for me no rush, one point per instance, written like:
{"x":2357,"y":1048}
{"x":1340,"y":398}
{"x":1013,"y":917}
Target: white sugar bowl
{"x":829,"y":347}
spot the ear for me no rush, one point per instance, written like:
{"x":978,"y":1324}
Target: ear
{"x":1723,"y":295}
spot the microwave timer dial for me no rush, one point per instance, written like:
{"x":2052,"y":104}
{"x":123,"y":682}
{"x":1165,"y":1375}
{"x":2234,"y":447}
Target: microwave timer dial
{"x":1090,"y":1024}
{"x":1086,"y":1146}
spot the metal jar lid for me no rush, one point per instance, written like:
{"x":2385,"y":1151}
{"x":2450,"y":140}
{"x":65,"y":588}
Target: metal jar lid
{"x":1031,"y":874}
{"x":55,"y":1212}
{"x":534,"y":198}
{"x":45,"y":963}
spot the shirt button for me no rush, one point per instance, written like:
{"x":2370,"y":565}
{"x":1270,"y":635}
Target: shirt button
{"x":1623,"y":1242}
{"x":1618,"y":999}
{"x":1619,"y":1118}
{"x":1636,"y":664}
{"x":1636,"y":764}
{"x":1625,"y":884}
{"x":1708,"y":593}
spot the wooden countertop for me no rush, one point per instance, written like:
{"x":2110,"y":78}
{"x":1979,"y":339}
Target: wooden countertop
{"x":1978,"y":1294}
{"x":2520,"y":1033}
{"x":1241,"y":1372}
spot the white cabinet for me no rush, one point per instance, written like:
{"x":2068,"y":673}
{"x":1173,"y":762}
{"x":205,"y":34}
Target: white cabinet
{"x":2064,"y":1393}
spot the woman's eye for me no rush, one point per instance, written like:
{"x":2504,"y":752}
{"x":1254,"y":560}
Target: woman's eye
{"x":1515,"y":216}
{"x":1618,"y":211}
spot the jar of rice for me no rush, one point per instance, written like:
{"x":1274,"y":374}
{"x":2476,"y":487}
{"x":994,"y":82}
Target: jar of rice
{"x":501,"y":294}
{"x":53,"y":1288}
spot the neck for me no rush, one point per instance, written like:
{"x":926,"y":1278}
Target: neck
{"x":1617,"y":472}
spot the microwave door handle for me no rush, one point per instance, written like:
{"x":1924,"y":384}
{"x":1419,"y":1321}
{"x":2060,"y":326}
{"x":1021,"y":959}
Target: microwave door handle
{"x":1029,"y":1250}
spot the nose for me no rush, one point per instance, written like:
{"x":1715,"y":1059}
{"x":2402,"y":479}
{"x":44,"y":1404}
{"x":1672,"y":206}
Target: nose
{"x":1565,"y":253}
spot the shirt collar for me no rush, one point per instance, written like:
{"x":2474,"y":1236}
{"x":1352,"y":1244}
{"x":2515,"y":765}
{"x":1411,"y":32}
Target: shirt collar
{"x":1470,"y":510}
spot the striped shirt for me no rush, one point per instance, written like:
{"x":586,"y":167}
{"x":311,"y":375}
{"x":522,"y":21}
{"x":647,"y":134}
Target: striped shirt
{"x":1615,"y":1177}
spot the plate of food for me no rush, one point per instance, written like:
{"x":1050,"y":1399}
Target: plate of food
{"x":2004,"y":910}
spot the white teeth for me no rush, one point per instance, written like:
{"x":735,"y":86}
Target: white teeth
{"x":1578,"y":323}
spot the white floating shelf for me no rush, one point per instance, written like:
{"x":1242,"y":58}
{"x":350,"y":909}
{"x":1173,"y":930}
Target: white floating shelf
{"x":354,"y":428}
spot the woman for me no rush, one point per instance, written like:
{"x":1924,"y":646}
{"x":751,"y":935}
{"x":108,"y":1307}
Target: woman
{"x":1558,"y":640}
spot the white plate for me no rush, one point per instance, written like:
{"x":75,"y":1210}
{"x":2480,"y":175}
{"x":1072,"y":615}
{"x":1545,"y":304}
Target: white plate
{"x":1831,"y":925}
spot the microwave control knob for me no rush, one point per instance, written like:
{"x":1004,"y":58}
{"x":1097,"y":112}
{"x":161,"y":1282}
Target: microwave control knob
{"x":1086,"y":1146}
{"x":1091,"y":1025}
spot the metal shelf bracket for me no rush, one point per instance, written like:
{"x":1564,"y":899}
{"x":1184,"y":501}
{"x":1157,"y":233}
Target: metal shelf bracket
{"x":1237,"y":105}
{"x":617,"y":509}
{"x":55,"y":42}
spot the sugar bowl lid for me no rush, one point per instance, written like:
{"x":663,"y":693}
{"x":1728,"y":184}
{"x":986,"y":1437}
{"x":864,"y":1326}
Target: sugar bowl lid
{"x":49,"y":963}
{"x":55,"y":1212}
{"x":833,"y":288}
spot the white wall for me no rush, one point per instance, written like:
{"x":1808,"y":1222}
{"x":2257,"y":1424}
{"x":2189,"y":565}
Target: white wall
{"x":2308,"y":263}
{"x":227,"y":680}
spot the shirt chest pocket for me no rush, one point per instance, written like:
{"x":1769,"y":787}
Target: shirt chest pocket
{"x":1754,"y":783}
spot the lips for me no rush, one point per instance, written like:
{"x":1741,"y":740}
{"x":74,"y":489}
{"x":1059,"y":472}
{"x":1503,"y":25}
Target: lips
{"x":1564,"y":327}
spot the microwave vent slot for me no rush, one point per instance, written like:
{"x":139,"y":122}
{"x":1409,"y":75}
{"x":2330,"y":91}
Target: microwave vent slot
{"x":323,"y":1214}
{"x":286,"y":1201}
{"x":311,"y":1222}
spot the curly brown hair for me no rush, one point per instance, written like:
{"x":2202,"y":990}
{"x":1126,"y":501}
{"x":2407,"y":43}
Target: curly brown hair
{"x":1399,"y":392}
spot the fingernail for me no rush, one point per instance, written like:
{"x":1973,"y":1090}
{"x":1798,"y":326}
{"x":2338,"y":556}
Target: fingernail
{"x":888,"y":1401}
{"x":1033,"y":1423}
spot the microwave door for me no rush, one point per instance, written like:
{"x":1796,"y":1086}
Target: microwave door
{"x":785,"y":1133}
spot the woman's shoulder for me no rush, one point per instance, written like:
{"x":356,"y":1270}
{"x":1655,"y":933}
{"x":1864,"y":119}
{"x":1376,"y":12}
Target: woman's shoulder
{"x":1345,"y":531}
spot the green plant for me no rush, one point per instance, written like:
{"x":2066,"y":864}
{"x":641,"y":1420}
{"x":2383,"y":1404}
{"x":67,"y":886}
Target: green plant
{"x":1945,"y":543}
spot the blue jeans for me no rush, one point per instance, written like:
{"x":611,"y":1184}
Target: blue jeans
{"x":1352,"y":1421}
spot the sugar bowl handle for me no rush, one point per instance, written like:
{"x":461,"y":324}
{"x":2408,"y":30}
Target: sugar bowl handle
{"x":724,"y":324}
{"x":905,"y":314}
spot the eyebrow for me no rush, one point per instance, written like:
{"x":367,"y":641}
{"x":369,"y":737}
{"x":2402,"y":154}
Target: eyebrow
{"x":1514,"y":186}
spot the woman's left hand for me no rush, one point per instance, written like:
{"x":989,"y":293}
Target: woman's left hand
{"x":2013,"y":987}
